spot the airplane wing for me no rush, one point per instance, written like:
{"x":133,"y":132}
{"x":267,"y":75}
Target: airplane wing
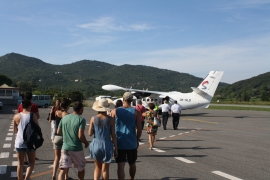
{"x":110,"y":87}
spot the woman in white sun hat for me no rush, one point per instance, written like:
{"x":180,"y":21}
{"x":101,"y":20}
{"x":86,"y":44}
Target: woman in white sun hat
{"x":103,"y":145}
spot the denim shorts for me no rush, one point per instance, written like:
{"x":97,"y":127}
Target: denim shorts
{"x":25,"y":150}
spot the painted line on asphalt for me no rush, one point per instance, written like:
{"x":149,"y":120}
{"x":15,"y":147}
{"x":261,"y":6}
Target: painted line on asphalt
{"x":172,"y":136}
{"x":8,"y":138}
{"x":163,"y":138}
{"x":184,"y":160}
{"x":200,"y":121}
{"x":3,"y":169}
{"x":9,"y":134}
{"x":41,"y":174}
{"x":14,"y":163}
{"x":140,"y":143}
{"x":14,"y":155}
{"x":7,"y":146}
{"x":225,"y":175}
{"x":4,"y":155}
{"x":10,"y":130}
{"x":158,"y":150}
{"x":180,"y":133}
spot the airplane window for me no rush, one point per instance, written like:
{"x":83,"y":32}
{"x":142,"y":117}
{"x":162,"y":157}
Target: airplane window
{"x":181,"y":99}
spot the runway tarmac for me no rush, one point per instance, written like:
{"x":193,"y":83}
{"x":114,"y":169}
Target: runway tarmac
{"x":209,"y":145}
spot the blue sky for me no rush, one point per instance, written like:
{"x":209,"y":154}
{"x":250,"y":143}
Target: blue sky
{"x":191,"y":36}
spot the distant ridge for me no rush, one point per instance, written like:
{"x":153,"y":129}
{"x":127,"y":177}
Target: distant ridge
{"x":90,"y":75}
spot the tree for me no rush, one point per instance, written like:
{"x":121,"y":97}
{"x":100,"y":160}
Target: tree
{"x":74,"y":95}
{"x":5,"y":80}
{"x":265,"y":96}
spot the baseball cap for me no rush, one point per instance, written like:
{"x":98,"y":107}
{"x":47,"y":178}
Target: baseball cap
{"x":128,"y":96}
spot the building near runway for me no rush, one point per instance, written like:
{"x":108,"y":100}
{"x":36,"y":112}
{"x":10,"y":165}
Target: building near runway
{"x":9,"y":95}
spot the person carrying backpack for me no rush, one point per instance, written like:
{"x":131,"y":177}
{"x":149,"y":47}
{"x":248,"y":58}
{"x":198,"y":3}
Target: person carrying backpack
{"x":21,"y":120}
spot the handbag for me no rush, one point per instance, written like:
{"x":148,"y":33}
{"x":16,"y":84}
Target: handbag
{"x":48,"y":116}
{"x":156,"y":122}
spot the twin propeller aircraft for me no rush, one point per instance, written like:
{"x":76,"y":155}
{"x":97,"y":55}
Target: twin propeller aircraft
{"x":198,"y":99}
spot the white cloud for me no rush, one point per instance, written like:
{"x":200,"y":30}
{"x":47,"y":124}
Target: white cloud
{"x":107,"y":24}
{"x":241,"y":59}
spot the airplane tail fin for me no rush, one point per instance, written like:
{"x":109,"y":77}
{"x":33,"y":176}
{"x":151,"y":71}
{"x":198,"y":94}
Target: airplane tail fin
{"x":209,"y":85}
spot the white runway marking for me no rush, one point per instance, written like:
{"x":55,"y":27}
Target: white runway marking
{"x":13,"y":174}
{"x":172,"y":136}
{"x":4,"y":155}
{"x":7,"y":146}
{"x":158,"y":150}
{"x":9,"y":134}
{"x":184,"y":160}
{"x":14,"y":163}
{"x":8,"y":138}
{"x":3,"y":169}
{"x":225,"y":175}
{"x":163,"y":138}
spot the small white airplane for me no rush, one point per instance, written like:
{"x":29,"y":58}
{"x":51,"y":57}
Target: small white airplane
{"x":198,"y":99}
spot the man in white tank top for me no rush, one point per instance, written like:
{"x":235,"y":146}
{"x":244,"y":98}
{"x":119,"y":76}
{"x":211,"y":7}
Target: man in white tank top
{"x":20,"y":122}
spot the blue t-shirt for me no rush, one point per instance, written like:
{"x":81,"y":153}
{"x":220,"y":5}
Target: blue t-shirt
{"x":125,"y":127}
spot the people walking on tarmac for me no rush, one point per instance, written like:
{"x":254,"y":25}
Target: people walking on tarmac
{"x":165,"y":113}
{"x":151,"y":128}
{"x":141,"y":109}
{"x":119,"y":103}
{"x":103,"y":145}
{"x":34,"y":109}
{"x":52,"y":118}
{"x":127,"y":120}
{"x":20,"y":121}
{"x":176,"y":112}
{"x":58,"y":139}
{"x":72,"y":128}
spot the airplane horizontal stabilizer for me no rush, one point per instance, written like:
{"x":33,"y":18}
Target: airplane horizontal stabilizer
{"x":197,"y":90}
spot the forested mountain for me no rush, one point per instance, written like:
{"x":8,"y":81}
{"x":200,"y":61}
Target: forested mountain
{"x":245,"y":90}
{"x":89,"y":75}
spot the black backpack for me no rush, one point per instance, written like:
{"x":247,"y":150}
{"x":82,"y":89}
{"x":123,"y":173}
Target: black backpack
{"x":32,"y":134}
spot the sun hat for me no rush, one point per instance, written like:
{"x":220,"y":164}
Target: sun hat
{"x":128,"y":96}
{"x":104,"y":104}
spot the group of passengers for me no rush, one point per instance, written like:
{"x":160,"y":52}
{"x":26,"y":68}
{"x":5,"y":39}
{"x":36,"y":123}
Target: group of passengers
{"x":116,"y":133}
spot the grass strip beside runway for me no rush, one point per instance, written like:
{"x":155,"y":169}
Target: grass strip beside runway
{"x":239,"y":108}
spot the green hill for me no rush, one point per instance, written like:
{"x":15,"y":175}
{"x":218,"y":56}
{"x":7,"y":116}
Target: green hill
{"x":90,"y":75}
{"x":257,"y":87}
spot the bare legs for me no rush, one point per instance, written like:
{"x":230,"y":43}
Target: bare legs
{"x":31,"y":158}
{"x":57,"y":155}
{"x":101,"y":169}
{"x":121,"y":171}
{"x":151,"y":140}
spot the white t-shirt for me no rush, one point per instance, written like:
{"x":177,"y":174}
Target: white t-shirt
{"x":176,"y":108}
{"x":165,"y":107}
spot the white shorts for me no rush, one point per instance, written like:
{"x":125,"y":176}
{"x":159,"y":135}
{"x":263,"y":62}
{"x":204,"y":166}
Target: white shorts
{"x":69,"y":157}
